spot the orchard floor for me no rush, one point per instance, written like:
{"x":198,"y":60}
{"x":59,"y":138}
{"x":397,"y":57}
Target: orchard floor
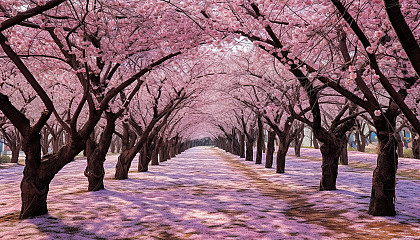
{"x":205,"y":193}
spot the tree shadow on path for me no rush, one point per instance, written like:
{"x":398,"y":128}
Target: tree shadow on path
{"x":331,"y":217}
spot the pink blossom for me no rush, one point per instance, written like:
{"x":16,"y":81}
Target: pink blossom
{"x":370,"y":50}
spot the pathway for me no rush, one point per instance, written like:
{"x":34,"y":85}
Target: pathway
{"x":205,"y":193}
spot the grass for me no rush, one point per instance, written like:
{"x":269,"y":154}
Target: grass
{"x":4,"y":159}
{"x":408,"y":152}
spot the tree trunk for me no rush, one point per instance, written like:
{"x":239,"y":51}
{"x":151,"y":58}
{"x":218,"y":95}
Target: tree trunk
{"x":123,"y":166}
{"x":382,"y":201}
{"x":162,"y":151}
{"x":270,"y":149}
{"x":235,"y":143}
{"x":146,"y":158}
{"x":172,"y":148}
{"x":344,"y":157}
{"x":44,"y":141}
{"x":142,"y":159}
{"x":264,"y":147}
{"x":360,"y":140}
{"x":95,"y":169}
{"x":38,"y":173}
{"x":299,"y":140}
{"x":34,"y":190}
{"x":155,"y":160}
{"x":330,"y":155}
{"x":316,"y":144}
{"x":400,"y":146}
{"x":281,"y":158}
{"x":260,"y":142}
{"x":96,"y":154}
{"x":166,"y":151}
{"x":118,"y":145}
{"x":15,"y":153}
{"x":416,"y":146}
{"x":249,"y":155}
{"x":124,"y":160}
{"x":112,"y":147}
{"x":242,"y":145}
{"x":55,"y":146}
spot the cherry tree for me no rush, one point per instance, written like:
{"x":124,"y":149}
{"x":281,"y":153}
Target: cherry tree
{"x":312,"y":40}
{"x":90,"y":41}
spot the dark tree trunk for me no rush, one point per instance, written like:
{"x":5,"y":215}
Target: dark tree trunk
{"x":55,"y":146}
{"x":315,"y":141}
{"x":34,"y":191}
{"x":124,"y":160}
{"x":179,"y":147}
{"x":344,"y":157}
{"x":162,"y":151}
{"x":242,"y":145}
{"x":264,"y":147}
{"x":235,"y":143}
{"x":382,"y":201}
{"x":260,"y":141}
{"x":142,"y":159}
{"x":38,"y":173}
{"x":44,"y":141}
{"x":360,"y":140}
{"x":95,"y":169}
{"x":166,"y":155}
{"x":228,"y":146}
{"x":249,"y":155}
{"x":96,"y":154}
{"x":146,"y":158}
{"x":112,"y":147}
{"x":297,"y":148}
{"x":330,"y":156}
{"x":118,"y":146}
{"x":270,"y":149}
{"x":281,"y":158}
{"x":123,"y":166}
{"x":172,"y":152}
{"x":155,"y":151}
{"x":400,"y":147}
{"x":416,"y":146}
{"x":15,"y":153}
{"x":299,"y":139}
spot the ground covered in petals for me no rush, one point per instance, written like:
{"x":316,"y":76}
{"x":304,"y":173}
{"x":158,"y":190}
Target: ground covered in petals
{"x":206,"y":193}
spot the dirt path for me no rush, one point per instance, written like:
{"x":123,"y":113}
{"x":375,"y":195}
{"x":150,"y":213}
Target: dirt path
{"x":201,"y":194}
{"x":331,"y":218}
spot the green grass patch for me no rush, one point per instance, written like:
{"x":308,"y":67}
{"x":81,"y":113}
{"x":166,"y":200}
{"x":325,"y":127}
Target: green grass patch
{"x":411,"y":173}
{"x":351,"y":149}
{"x":371,"y":150}
{"x":4,"y":159}
{"x":408,"y":153}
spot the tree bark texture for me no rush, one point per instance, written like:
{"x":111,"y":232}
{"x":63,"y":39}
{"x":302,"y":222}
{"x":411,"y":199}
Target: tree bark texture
{"x":96,"y":154}
{"x":124,"y":160}
{"x":298,"y":140}
{"x":316,"y":143}
{"x":241,"y":145}
{"x":382,"y":201}
{"x":270,"y":149}
{"x":344,"y":157}
{"x":281,"y":158}
{"x":249,"y":154}
{"x":260,"y":141}
{"x":416,"y":146}
{"x":330,"y":155}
